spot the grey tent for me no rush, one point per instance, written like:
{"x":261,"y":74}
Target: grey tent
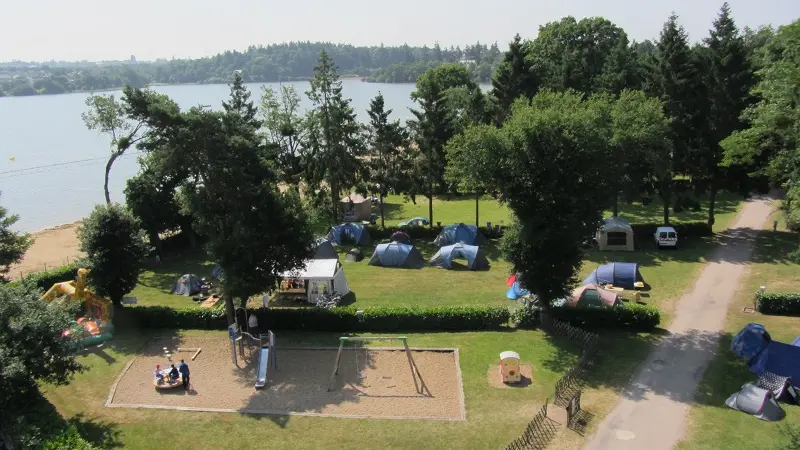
{"x":217,"y":272}
{"x":757,"y":402}
{"x":476,"y":259}
{"x":188,"y":284}
{"x":780,"y":386}
{"x":453,"y":234}
{"x":354,"y":255}
{"x":323,"y":249}
{"x":397,"y":254}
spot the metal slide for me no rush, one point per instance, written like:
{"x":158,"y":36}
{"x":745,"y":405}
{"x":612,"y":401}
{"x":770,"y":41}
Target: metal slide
{"x":263,"y":365}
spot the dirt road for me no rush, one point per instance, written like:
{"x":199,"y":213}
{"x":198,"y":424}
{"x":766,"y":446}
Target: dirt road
{"x":652,"y":412}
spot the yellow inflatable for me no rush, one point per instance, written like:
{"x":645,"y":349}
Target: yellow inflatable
{"x":95,"y":307}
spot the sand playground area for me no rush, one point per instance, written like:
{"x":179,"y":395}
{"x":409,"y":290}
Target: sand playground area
{"x":371,"y":383}
{"x":52,"y":247}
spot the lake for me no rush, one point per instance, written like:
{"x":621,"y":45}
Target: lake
{"x":51,"y":166}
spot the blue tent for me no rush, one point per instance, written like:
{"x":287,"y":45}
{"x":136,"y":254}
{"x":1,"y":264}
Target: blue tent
{"x":453,"y":234}
{"x":349,"y":231}
{"x":516,"y":291}
{"x":617,"y":273}
{"x":476,"y":260}
{"x":397,"y":254}
{"x":765,"y":355}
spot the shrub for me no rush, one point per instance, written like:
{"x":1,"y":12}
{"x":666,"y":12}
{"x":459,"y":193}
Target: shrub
{"x":685,"y":229}
{"x":628,"y":317}
{"x":385,"y":319}
{"x":45,"y":279}
{"x":779,"y":304}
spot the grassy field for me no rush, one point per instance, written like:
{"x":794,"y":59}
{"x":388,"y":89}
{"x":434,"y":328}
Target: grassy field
{"x":711,"y":421}
{"x":494,"y":416}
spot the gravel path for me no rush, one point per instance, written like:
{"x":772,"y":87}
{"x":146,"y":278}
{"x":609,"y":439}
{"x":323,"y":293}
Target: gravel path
{"x":371,"y":383}
{"x":652,"y":412}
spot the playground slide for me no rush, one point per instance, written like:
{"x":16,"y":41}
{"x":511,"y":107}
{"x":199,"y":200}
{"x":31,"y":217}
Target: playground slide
{"x":263,"y":365}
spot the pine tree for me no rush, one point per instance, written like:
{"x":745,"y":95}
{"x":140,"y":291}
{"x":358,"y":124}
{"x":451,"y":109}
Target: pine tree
{"x":729,"y":81}
{"x":387,"y":151}
{"x":334,"y":138}
{"x":240,"y":103}
{"x":514,"y":77}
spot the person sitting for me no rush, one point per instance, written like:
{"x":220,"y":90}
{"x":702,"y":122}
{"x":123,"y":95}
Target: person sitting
{"x":173,"y":373}
{"x":158,"y":375}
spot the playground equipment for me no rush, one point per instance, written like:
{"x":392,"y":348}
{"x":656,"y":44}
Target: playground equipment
{"x":264,"y":359}
{"x":509,"y":367}
{"x":161,"y":379}
{"x":415,"y":375}
{"x":95,"y":326}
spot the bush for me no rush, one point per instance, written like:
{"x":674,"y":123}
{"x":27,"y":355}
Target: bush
{"x":628,"y":317}
{"x":779,"y":304}
{"x":46,"y":279}
{"x":685,"y":229}
{"x":383,"y":319}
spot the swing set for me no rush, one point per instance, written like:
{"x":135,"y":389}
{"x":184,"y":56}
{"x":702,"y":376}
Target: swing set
{"x":419,"y":384}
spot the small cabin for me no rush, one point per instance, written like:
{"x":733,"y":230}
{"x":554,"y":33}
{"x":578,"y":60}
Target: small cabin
{"x":509,"y":367}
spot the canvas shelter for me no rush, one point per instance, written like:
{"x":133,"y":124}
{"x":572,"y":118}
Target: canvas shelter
{"x":397,"y":254}
{"x":459,"y":233}
{"x":615,"y":234}
{"x":476,"y":259}
{"x":187,"y":284}
{"x":619,"y":274}
{"x":765,"y":355}
{"x":349,"y":232}
{"x":323,"y":249}
{"x":593,"y":295}
{"x":320,"y":276}
{"x":356,"y":208}
{"x":400,"y":236}
{"x":757,"y":402}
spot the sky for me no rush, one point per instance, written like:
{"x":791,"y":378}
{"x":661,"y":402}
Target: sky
{"x":42,"y":30}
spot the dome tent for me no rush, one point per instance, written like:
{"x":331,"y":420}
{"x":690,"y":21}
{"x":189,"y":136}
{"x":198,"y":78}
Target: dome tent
{"x":619,"y":274}
{"x":516,"y":291}
{"x":323,"y":249}
{"x":354,"y":232}
{"x":453,"y":234}
{"x":397,"y":254}
{"x":187,"y":284}
{"x":476,"y":259}
{"x":354,"y":255}
{"x":593,"y":295}
{"x":400,"y":236}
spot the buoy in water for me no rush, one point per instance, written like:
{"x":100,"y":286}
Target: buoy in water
{"x":13,"y":158}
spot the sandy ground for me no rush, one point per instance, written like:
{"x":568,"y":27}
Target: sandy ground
{"x":653,"y":410}
{"x":382,"y":388}
{"x":496,"y":380}
{"x":52,"y":247}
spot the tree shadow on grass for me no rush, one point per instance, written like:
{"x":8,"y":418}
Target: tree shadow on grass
{"x":393,"y":213}
{"x":102,"y":434}
{"x":163,"y":275}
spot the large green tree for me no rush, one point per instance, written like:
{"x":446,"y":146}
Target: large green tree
{"x":729,"y":79}
{"x":387,"y":151}
{"x":239,"y":103}
{"x":32,"y":350}
{"x":514,"y":77}
{"x":334,"y":140}
{"x":284,"y":129}
{"x":116,"y":247}
{"x":546,"y":162}
{"x":13,"y":244}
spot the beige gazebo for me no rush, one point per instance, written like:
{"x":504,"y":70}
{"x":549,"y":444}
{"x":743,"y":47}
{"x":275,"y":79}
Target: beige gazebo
{"x":356,"y":208}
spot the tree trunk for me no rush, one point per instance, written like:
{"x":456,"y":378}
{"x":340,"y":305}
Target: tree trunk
{"x":335,"y":203}
{"x":229,"y":308}
{"x":110,"y":163}
{"x":712,"y":198}
{"x":477,"y":217}
{"x":666,"y":197}
{"x":430,"y":209}
{"x":381,"y":196}
{"x":616,"y":204}
{"x":155,"y":241}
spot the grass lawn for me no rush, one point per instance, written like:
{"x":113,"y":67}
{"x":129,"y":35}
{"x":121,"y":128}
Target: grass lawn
{"x":494,"y":416}
{"x":711,"y":421}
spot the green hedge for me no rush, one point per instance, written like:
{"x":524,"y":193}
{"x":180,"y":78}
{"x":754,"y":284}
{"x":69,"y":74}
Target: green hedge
{"x":684,"y":229}
{"x":45,"y":279}
{"x":629,"y":317}
{"x":779,"y":304}
{"x":454,"y":318}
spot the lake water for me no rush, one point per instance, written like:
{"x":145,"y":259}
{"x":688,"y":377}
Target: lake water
{"x":51,"y":166}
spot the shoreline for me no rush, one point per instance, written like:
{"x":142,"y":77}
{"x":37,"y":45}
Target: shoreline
{"x":52,"y":247}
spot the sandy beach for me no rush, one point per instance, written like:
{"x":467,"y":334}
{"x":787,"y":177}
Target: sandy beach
{"x":52,"y":247}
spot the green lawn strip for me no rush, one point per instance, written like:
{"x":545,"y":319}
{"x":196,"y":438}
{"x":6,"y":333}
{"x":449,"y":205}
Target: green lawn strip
{"x":494,"y":416}
{"x":710,"y":421}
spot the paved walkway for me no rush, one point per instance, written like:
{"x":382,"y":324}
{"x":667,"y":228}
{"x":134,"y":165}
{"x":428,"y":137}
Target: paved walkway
{"x":652,"y":413}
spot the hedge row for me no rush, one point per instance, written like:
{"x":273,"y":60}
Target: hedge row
{"x":452,"y":318}
{"x":684,"y":229}
{"x":629,"y":317}
{"x":45,"y":279}
{"x":779,"y":304}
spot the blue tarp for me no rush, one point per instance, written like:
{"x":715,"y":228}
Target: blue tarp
{"x":397,"y":254}
{"x":354,"y":232}
{"x":618,"y":273}
{"x":764,"y":354}
{"x":453,"y":234}
{"x":516,"y":291}
{"x":476,"y":260}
